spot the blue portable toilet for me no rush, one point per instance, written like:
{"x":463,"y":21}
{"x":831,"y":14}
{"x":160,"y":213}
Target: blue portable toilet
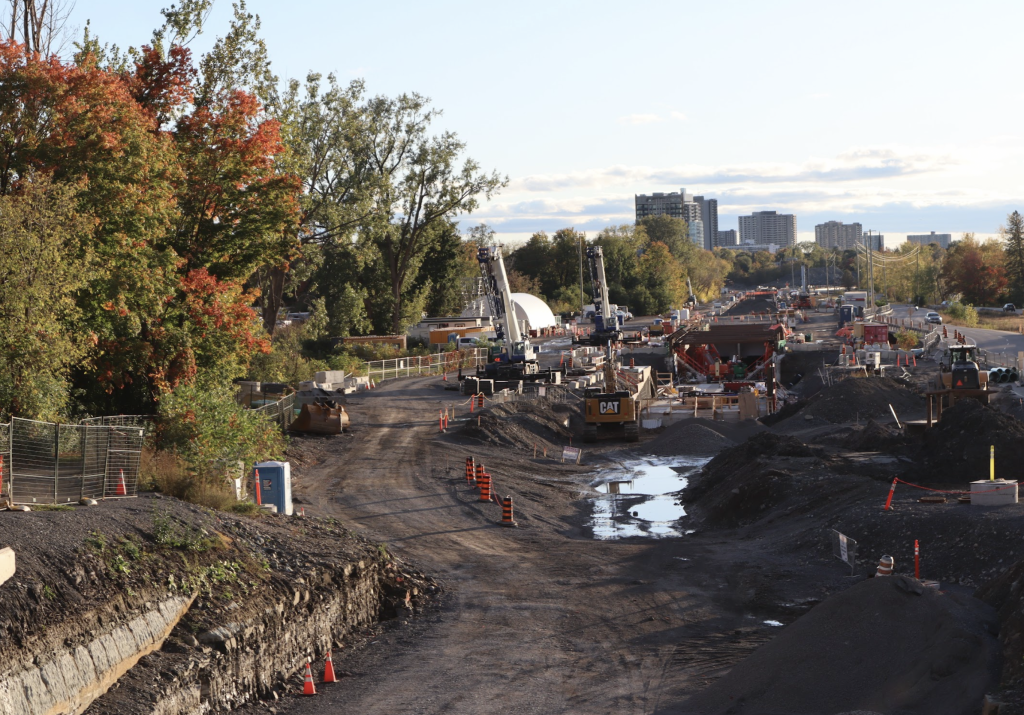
{"x":276,"y":485}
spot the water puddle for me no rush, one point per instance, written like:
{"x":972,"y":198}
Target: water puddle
{"x":636,"y":498}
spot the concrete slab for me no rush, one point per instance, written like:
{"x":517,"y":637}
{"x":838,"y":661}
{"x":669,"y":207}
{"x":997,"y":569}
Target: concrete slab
{"x":995,"y":492}
{"x":6,"y":563}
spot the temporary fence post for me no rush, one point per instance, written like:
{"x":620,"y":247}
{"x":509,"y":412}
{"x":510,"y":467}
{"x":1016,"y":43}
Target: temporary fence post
{"x":84,"y":442}
{"x":917,"y":559}
{"x":106,"y":465}
{"x":56,"y":459}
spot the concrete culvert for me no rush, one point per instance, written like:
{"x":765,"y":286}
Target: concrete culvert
{"x":885,"y":645}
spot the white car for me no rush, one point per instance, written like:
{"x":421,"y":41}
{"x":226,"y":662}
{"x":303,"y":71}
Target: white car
{"x":933,"y":317}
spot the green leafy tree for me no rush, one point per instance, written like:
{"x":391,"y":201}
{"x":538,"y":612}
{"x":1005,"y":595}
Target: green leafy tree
{"x":44,"y":261}
{"x":672,"y":232}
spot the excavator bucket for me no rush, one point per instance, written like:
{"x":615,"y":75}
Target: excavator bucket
{"x":321,"y":418}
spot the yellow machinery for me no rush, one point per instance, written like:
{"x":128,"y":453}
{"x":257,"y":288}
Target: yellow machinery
{"x":326,"y":417}
{"x":617,"y":405}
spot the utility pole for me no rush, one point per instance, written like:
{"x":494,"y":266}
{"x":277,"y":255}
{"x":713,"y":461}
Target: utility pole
{"x":583,"y":238}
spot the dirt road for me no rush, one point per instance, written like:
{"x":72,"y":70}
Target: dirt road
{"x":539,"y":619}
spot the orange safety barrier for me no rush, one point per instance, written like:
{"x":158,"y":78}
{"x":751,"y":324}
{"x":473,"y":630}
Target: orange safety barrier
{"x":917,"y":559}
{"x":885,"y":566}
{"x":506,"y":512}
{"x":470,"y":469}
{"x":479,"y":473}
{"x":122,"y":488}
{"x":485,"y":486}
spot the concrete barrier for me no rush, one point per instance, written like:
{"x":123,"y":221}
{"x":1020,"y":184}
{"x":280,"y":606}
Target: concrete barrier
{"x":6,"y":563}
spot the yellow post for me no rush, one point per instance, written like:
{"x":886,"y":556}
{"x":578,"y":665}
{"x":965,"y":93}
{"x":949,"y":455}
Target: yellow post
{"x":992,"y":462}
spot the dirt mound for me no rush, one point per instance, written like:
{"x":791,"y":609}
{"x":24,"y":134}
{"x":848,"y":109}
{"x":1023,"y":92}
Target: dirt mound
{"x":872,"y":437}
{"x":861,"y":399}
{"x":1006,"y":594}
{"x":884,"y":645}
{"x":741,"y":483}
{"x":690,"y":437}
{"x":799,"y":371}
{"x":522,"y":425}
{"x":957,"y":448}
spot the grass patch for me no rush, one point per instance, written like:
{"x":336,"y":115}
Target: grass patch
{"x":245,"y":508}
{"x":173,"y":534}
{"x":52,"y":507}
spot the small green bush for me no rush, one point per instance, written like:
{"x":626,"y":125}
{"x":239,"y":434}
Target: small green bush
{"x":963,"y":313}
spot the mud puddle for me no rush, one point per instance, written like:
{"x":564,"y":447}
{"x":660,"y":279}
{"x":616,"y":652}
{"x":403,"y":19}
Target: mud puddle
{"x":637,"y":498}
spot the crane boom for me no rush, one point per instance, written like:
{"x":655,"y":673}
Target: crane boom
{"x":499,"y":298}
{"x":606,"y":322}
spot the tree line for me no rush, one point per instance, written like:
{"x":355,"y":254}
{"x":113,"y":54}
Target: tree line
{"x":159,"y":209}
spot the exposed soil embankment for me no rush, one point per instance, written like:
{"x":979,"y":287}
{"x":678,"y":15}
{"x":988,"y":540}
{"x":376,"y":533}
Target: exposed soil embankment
{"x":852,"y":400}
{"x":884,"y":645}
{"x":182,"y":610}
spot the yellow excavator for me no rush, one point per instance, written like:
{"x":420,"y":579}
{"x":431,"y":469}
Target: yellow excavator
{"x":616,"y":406}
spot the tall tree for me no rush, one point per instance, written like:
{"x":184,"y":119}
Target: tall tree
{"x":40,"y":25}
{"x":1013,"y":242}
{"x":416,"y":183}
{"x":672,"y":232}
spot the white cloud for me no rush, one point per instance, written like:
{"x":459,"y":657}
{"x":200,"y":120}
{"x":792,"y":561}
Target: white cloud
{"x":640,"y":119}
{"x":678,"y":116}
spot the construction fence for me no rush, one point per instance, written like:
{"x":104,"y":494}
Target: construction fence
{"x":434,"y":364}
{"x":50,"y":463}
{"x":281,"y":412}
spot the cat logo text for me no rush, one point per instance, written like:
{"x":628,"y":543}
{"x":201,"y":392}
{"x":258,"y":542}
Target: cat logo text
{"x":608,"y":408}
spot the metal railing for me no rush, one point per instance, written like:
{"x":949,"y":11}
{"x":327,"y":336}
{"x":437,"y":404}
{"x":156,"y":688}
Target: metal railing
{"x":547,"y":393}
{"x":433,"y":364}
{"x":281,"y":412}
{"x":50,"y":463}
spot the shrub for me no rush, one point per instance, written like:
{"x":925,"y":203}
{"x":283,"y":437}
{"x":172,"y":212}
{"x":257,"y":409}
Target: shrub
{"x":202,"y":429}
{"x":963,"y":313}
{"x":907,"y":339}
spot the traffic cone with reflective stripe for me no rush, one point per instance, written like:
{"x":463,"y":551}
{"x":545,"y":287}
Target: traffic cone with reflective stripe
{"x":307,"y":687}
{"x":122,"y":489}
{"x":329,"y":670}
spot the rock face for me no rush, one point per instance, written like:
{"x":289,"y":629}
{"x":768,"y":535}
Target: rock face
{"x":125,"y":608}
{"x":68,"y":681}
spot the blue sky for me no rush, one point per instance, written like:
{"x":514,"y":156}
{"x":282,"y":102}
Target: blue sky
{"x":905,"y":116}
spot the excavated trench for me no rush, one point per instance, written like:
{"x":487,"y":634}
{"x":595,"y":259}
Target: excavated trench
{"x":161,"y":608}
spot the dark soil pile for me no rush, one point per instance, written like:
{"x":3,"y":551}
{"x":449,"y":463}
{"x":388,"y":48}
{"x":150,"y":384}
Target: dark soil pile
{"x":741,"y":483}
{"x":522,"y":425}
{"x":799,"y":371}
{"x":690,"y":437}
{"x":884,"y":645}
{"x":873,"y":437}
{"x":862,"y":399}
{"x":1006,"y":594}
{"x":957,"y":448}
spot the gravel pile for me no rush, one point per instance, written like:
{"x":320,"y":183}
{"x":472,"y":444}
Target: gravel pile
{"x":521,"y":425}
{"x":884,"y":645}
{"x":861,"y":399}
{"x":873,"y":437}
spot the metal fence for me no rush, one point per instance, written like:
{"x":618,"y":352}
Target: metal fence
{"x":434,"y":364}
{"x":534,"y":393}
{"x":49,"y":463}
{"x":282,"y":412}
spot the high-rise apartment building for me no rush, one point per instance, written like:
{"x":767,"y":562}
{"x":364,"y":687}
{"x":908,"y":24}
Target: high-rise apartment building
{"x":672,"y":204}
{"x":727,"y":238}
{"x":709,"y":215}
{"x":765,"y":227}
{"x":943,"y":239}
{"x":693,"y":210}
{"x":836,"y":234}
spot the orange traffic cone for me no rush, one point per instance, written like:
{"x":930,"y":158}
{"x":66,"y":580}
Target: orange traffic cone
{"x":122,"y":489}
{"x":307,"y":687}
{"x":329,"y":670}
{"x":444,"y":377}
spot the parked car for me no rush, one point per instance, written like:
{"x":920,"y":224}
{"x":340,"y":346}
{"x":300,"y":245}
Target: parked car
{"x":933,"y":317}
{"x":1009,"y":308}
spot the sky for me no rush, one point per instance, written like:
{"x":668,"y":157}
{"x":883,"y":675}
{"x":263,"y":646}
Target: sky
{"x":904,"y":116}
